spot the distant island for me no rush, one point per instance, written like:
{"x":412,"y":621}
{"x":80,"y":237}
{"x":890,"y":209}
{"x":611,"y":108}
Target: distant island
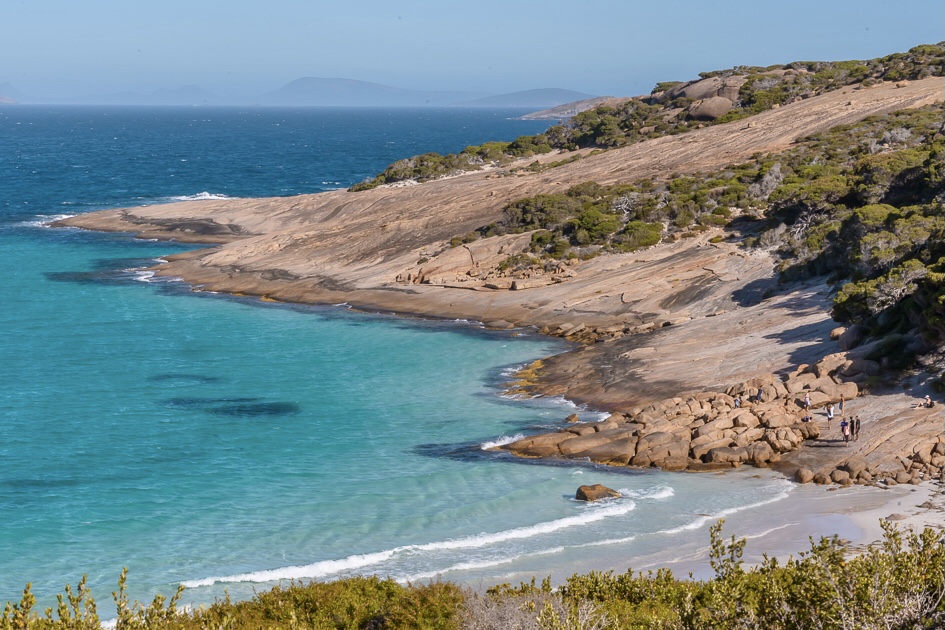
{"x":315,"y":92}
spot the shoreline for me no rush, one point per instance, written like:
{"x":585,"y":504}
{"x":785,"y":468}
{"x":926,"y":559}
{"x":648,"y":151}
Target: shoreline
{"x":853,"y":514}
{"x":676,"y":319}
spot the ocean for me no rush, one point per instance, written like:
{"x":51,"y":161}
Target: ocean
{"x":228,"y":444}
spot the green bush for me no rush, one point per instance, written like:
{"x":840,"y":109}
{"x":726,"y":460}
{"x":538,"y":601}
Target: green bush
{"x":898,"y":584}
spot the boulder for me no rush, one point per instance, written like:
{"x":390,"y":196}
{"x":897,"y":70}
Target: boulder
{"x":675,"y":463}
{"x":654,"y":440}
{"x":745,"y":418}
{"x":808,"y":430}
{"x":861,"y":366}
{"x":800,"y":382}
{"x":617,"y":452}
{"x":760,"y":453}
{"x":852,"y":337}
{"x":584,"y":442}
{"x":803,"y":475}
{"x":606,"y":425}
{"x":700,"y":449}
{"x":726,"y":454}
{"x":840,"y":476}
{"x":749,"y":436}
{"x":710,"y":108}
{"x":848,"y":390}
{"x":854,"y":466}
{"x":595,"y":492}
{"x":821,"y":478}
{"x":545,"y":445}
{"x":817,"y":399}
{"x":696,"y":89}
{"x":731,"y":86}
{"x":778,"y":421}
{"x":829,"y":364}
{"x":653,"y":454}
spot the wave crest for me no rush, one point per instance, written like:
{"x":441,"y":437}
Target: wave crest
{"x":330,"y":567}
{"x":202,"y":196}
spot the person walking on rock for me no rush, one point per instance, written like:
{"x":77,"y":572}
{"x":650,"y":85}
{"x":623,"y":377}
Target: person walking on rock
{"x":829,"y":414}
{"x":807,"y":402}
{"x":856,"y":428}
{"x":842,"y":403}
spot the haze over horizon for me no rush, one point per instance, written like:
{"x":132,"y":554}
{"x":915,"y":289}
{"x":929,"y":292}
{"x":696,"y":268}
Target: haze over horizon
{"x":57,"y":49}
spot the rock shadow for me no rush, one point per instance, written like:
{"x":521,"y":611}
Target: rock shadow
{"x":240,"y":407}
{"x":755,"y":292}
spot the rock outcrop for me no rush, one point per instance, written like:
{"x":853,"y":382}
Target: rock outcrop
{"x":753,"y":422}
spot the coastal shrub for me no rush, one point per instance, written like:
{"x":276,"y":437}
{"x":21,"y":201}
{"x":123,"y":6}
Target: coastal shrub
{"x":898,"y":583}
{"x":640,"y":118}
{"x":872,"y":222}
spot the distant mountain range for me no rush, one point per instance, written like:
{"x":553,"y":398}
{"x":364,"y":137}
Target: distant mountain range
{"x":315,"y":91}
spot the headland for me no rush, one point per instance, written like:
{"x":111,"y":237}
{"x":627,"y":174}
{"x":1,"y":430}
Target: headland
{"x":675,"y":322}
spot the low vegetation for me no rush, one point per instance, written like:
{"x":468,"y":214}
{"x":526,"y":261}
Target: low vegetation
{"x":669,"y":110}
{"x":861,"y":205}
{"x":897,"y":584}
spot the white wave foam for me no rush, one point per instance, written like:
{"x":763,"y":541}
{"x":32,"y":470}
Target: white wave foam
{"x":656,"y":492}
{"x":702,"y":520}
{"x":473,"y":565}
{"x":607,"y":541}
{"x":144,"y":275}
{"x":202,"y":196}
{"x":308,"y":571}
{"x":462,"y":566}
{"x":764,"y":533}
{"x":512,"y":370}
{"x":45,"y":221}
{"x":502,"y":441}
{"x":329,"y":567}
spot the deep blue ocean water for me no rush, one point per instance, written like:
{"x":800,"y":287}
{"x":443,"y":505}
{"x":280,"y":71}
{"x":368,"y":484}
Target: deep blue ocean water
{"x":228,"y":444}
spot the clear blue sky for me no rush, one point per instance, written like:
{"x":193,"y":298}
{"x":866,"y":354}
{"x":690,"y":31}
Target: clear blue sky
{"x":614,"y":47}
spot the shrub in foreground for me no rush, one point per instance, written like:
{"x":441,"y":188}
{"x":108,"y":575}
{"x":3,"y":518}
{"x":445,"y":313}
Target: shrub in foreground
{"x":897,"y":584}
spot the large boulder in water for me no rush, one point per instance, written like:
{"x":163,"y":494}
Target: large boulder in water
{"x":595,"y":493}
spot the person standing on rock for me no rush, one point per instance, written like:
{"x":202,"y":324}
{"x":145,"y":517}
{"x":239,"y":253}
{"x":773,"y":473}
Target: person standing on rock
{"x":845,"y":430}
{"x":856,"y":428}
{"x":842,"y":403}
{"x":807,"y":402}
{"x":829,"y":414}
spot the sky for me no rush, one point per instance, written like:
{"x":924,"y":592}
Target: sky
{"x":58,"y":48}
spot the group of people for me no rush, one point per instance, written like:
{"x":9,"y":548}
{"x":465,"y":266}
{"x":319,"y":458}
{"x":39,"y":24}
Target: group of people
{"x":849,"y":429}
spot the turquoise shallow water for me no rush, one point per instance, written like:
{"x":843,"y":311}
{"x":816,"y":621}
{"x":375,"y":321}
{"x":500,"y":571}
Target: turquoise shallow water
{"x":227,"y":444}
